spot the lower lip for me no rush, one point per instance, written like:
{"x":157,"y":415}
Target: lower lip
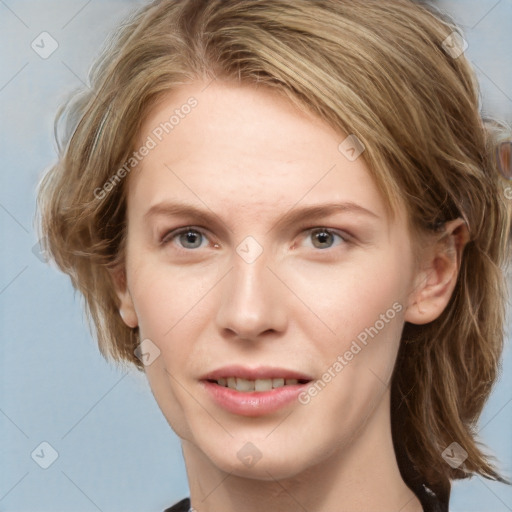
{"x":253,"y":403}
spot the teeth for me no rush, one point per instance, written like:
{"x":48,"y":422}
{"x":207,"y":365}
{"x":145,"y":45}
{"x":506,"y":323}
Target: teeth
{"x":263,"y":384}
{"x":277,"y":383}
{"x":246,"y":385}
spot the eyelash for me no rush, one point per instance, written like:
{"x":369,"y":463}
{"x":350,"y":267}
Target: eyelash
{"x":169,"y":236}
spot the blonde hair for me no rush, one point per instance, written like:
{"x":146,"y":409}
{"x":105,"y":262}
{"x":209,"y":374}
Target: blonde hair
{"x":376,"y":70}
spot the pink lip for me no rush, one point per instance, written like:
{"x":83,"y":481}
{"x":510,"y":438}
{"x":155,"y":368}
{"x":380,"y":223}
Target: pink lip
{"x":253,"y":403}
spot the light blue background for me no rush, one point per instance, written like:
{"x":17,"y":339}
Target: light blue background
{"x":116,"y":451}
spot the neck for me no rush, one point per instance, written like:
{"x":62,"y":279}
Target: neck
{"x":362,"y":475}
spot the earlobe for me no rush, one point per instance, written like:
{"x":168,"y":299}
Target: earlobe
{"x":437,"y":279}
{"x":126,"y":307}
{"x":128,"y":315}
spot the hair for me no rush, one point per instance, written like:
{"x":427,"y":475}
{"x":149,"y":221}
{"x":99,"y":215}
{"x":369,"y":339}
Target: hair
{"x":379,"y":71}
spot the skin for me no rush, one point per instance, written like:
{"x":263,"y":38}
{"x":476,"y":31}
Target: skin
{"x":246,"y":156}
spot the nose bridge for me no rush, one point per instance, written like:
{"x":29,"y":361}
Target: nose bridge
{"x":251,"y":302}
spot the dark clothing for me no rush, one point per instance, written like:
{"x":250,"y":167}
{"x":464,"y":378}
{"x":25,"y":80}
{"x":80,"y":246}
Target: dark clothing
{"x":182,"y":506}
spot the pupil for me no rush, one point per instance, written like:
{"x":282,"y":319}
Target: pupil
{"x":323,"y":236}
{"x":190,"y":236}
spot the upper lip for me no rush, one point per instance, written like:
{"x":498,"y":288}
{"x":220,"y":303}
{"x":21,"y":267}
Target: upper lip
{"x":260,"y":372}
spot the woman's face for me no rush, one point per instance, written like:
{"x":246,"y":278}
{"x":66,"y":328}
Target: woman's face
{"x":259,"y":248}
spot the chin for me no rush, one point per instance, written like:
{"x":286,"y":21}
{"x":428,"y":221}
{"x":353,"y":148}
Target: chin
{"x":262,"y":457}
{"x":278,"y":466}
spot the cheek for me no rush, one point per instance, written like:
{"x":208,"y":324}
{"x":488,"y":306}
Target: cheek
{"x":345,"y":299}
{"x":168,"y":297}
{"x":169,"y":396}
{"x":365,"y":310}
{"x":356,"y":328}
{"x":171,"y":308}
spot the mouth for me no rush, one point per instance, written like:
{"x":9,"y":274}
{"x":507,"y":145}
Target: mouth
{"x":258,"y":391}
{"x":249,"y":385}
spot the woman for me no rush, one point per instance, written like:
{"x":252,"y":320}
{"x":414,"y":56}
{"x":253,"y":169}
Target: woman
{"x":290,"y":216}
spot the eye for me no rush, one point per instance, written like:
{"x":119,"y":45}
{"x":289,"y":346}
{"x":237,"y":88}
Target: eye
{"x":189,"y":237}
{"x":323,"y":238}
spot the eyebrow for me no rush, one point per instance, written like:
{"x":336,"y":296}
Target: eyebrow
{"x":291,"y":217}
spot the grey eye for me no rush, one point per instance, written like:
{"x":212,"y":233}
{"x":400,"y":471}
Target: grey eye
{"x":322,"y":238}
{"x":190,"y":236}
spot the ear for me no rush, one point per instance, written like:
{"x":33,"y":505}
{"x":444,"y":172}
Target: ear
{"x":436,"y":280}
{"x":126,"y":308}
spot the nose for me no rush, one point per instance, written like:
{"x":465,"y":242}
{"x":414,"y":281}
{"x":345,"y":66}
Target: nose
{"x":253,"y":301}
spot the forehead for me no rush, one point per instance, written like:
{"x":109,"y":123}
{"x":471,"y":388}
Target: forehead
{"x":244,"y":148}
